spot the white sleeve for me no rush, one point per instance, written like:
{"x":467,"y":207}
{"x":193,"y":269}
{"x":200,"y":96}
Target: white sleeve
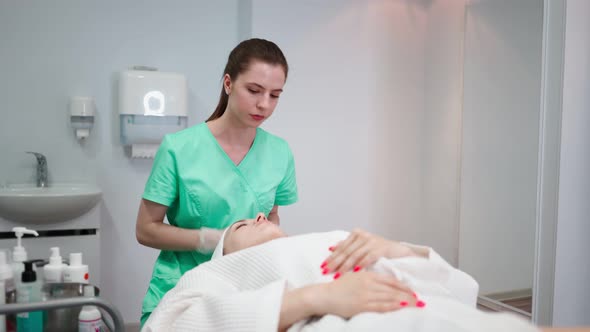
{"x":461,"y":285}
{"x":190,"y":310}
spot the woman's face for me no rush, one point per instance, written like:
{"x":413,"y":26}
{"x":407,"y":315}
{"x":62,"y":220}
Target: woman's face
{"x":254,"y":94}
{"x":250,"y":232}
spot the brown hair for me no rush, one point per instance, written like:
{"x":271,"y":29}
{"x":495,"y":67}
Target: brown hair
{"x":240,"y":58}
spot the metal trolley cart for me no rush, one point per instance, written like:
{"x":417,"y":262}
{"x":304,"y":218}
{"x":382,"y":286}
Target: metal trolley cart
{"x":116,"y":325}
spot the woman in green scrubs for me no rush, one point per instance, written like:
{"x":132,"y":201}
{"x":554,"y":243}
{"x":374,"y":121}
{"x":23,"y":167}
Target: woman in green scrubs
{"x":206,"y":177}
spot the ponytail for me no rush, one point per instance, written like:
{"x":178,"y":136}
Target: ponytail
{"x":221,"y":106}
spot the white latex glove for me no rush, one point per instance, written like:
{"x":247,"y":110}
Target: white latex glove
{"x":208,"y":239}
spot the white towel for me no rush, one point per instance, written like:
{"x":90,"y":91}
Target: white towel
{"x":218,"y":252}
{"x":243,"y":292}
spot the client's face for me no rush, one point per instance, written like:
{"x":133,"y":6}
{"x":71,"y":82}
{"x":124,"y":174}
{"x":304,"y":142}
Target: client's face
{"x":250,"y":232}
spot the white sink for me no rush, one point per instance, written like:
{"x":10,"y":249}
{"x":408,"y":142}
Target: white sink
{"x":57,"y":202}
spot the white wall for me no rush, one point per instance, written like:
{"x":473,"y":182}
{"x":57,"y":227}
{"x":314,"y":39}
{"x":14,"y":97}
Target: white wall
{"x":316,"y":113}
{"x":572,"y":271}
{"x":441,"y":127}
{"x":50,"y":51}
{"x":502,"y":77}
{"x":352,"y":111}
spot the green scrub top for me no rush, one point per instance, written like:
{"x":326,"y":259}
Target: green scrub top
{"x":202,"y":187}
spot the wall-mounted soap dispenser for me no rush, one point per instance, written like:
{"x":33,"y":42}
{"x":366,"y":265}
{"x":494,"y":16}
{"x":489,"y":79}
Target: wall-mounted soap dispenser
{"x":151,"y":104}
{"x":82,"y":115}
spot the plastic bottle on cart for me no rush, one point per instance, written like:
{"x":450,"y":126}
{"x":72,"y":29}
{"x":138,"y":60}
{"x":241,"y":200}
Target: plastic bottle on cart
{"x":76,"y":271}
{"x":29,"y":291}
{"x":89,"y":319}
{"x":19,"y":254}
{"x":53,"y":272}
{"x":6,"y":285}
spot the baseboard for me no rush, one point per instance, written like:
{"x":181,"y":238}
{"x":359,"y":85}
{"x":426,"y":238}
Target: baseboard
{"x":511,"y":295}
{"x":496,"y":305}
{"x":132,"y":327}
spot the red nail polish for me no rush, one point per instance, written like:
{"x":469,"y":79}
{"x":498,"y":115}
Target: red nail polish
{"x":415,"y":296}
{"x":337,"y":275}
{"x":324,"y":264}
{"x":356,"y":268}
{"x":325,"y":271}
{"x":403,"y":303}
{"x":332,"y":248}
{"x":420,"y":304}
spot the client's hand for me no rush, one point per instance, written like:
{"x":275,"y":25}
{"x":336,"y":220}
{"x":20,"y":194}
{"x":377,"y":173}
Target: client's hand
{"x":364,"y":291}
{"x":361,"y":249}
{"x":208,"y":239}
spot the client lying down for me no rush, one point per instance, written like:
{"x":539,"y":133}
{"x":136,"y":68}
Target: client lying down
{"x":261,"y":280}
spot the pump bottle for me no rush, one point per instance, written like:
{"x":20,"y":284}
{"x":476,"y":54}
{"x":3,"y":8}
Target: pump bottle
{"x":28,"y":291}
{"x":19,"y":254}
{"x":89,"y":319}
{"x":76,"y":271}
{"x":6,"y":285}
{"x":53,"y":272}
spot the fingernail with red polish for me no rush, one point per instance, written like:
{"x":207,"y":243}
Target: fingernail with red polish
{"x":324,"y":264}
{"x":403,"y":303}
{"x":356,"y":268}
{"x":415,"y":296}
{"x":420,"y":304}
{"x":332,"y":248}
{"x":325,"y":271}
{"x":337,"y":275}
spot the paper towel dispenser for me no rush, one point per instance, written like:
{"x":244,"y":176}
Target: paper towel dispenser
{"x":151,"y":105}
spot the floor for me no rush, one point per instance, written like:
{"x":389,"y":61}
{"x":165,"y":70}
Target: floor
{"x":132,"y":327}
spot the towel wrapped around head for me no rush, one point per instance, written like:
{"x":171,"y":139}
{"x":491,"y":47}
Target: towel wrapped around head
{"x":218,"y":252}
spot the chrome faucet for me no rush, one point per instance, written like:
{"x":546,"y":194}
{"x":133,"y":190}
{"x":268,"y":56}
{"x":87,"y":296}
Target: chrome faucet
{"x":41,"y":169}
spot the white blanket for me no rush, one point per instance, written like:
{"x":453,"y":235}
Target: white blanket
{"x":243,"y":292}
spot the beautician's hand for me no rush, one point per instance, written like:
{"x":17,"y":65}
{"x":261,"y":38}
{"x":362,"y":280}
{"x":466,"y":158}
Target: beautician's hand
{"x":364,"y":291}
{"x":208,"y":239}
{"x":361,"y":249}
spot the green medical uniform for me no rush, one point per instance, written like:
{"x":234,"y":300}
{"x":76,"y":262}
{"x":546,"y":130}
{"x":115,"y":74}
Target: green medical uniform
{"x":202,"y":187}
